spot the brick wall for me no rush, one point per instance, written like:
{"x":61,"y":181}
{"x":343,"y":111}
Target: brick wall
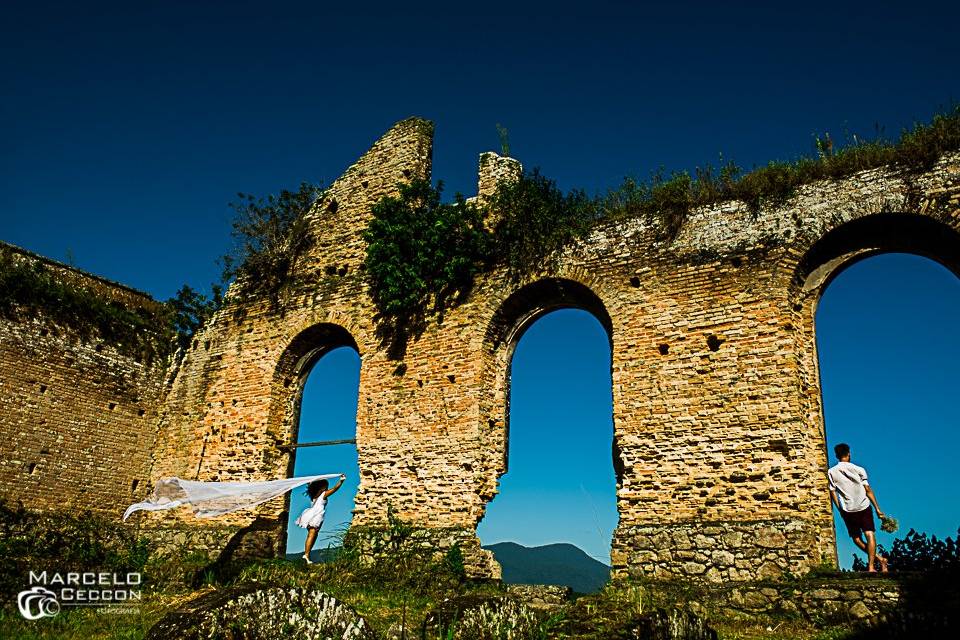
{"x":78,"y":417}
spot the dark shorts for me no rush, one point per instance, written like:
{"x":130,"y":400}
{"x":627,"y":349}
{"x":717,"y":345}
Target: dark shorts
{"x":858,"y":521}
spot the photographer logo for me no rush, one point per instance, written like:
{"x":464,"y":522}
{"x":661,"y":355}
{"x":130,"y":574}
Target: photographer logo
{"x":38,"y":603}
{"x":109,"y":592}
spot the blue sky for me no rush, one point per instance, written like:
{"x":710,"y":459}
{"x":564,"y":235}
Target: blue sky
{"x":126,"y":128}
{"x":560,"y":485}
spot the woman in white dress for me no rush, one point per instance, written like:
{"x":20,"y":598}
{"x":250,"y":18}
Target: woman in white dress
{"x":312,"y":517}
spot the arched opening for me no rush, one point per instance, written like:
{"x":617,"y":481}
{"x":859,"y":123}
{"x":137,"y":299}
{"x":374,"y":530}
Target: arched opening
{"x":886,"y":298}
{"x":558,"y":484}
{"x":888,"y":348}
{"x":322,"y":380}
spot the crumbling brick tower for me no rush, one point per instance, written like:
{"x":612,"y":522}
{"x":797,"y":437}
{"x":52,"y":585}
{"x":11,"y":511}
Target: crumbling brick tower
{"x":718,"y":428}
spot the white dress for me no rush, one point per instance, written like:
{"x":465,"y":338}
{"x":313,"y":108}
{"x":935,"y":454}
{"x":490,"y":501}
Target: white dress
{"x":312,"y":516}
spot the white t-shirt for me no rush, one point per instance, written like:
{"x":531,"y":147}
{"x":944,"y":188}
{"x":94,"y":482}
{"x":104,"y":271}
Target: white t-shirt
{"x":849,"y":481}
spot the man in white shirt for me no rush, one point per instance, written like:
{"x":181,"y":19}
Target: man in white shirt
{"x":853,"y":496}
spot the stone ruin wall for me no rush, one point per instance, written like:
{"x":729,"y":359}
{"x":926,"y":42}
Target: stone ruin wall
{"x":719,"y":440}
{"x":719,"y":434}
{"x":79,"y":416}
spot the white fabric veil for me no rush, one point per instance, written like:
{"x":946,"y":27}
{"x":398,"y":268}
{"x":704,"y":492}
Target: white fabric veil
{"x":211,"y":499}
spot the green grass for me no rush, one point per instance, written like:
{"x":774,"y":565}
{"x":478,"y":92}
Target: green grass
{"x":599,"y":615}
{"x":385,"y":600}
{"x":778,"y":630}
{"x":86,"y":622}
{"x":383,"y":603}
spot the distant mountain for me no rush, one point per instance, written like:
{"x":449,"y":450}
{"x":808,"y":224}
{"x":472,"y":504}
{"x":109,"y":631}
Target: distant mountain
{"x":561,"y":563}
{"x":317,"y":555}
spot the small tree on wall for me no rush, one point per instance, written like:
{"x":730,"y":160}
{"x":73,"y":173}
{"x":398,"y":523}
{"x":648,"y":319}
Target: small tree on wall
{"x":269,"y":233}
{"x":536,"y":220}
{"x":190,"y":309}
{"x":423,"y":255}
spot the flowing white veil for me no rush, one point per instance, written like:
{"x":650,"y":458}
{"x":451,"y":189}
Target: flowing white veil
{"x":211,"y":499}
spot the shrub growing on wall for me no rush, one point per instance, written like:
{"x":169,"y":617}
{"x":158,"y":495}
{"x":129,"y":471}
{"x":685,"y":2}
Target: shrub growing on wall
{"x":422,"y":254}
{"x":536,"y":220}
{"x":663,"y":202}
{"x":189,"y":310}
{"x":919,"y":552}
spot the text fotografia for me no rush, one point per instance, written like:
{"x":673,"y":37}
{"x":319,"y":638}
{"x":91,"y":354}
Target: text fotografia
{"x":50,"y":590}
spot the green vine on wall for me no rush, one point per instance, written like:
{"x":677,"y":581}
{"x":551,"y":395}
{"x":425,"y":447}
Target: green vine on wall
{"x":422,"y":254}
{"x":29,"y":288}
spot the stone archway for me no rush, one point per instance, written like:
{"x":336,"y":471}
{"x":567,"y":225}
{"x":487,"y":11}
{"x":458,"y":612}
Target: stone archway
{"x":715,"y":388}
{"x":827,"y":258}
{"x":517,"y":313}
{"x":872,"y":235}
{"x":290,"y":376}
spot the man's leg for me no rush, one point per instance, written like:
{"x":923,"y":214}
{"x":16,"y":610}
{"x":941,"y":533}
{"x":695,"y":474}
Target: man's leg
{"x":871,"y":550}
{"x":858,"y":540}
{"x":866,"y":549}
{"x":880,"y":560}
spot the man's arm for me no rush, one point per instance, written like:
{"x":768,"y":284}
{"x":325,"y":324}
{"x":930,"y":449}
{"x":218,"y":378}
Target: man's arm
{"x":873,"y":499}
{"x":834,"y":499}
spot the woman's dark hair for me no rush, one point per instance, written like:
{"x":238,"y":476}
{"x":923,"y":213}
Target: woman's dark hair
{"x":317,"y":487}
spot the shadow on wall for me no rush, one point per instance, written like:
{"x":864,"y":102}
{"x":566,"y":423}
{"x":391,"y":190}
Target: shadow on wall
{"x":256,"y":540}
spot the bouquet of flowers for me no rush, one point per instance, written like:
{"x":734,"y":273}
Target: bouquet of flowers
{"x":889,"y":523}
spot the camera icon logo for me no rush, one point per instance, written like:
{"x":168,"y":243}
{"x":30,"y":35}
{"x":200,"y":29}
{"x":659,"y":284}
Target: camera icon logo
{"x":38,"y":603}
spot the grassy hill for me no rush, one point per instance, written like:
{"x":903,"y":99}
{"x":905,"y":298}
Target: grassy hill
{"x":561,"y":563}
